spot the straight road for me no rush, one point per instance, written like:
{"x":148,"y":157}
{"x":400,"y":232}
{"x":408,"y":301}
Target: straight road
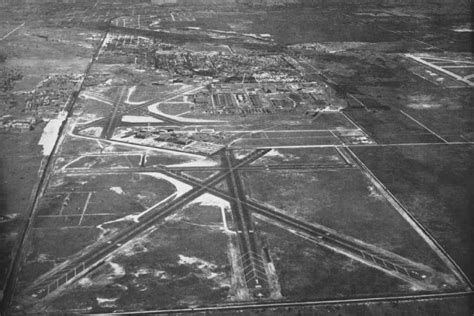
{"x":12,"y":31}
{"x":39,"y":191}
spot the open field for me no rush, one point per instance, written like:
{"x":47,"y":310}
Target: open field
{"x":286,"y":141}
{"x":452,"y":125}
{"x":81,"y":211}
{"x":319,"y":156}
{"x":351,"y":207}
{"x":156,"y":270}
{"x":18,"y":177}
{"x":433,"y":183}
{"x":392,"y":127}
{"x":300,"y":279}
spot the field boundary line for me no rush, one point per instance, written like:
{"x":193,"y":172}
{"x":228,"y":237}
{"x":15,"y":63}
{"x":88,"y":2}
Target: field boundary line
{"x":12,"y":31}
{"x":39,"y":190}
{"x":424,"y":126}
{"x":414,"y":223}
{"x":358,"y":101}
{"x":300,"y":304}
{"x":354,"y":123}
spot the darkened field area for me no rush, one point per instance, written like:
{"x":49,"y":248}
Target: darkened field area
{"x":392,"y":127}
{"x":334,"y":276}
{"x":345,"y":201}
{"x":18,"y":177}
{"x":435,"y":184}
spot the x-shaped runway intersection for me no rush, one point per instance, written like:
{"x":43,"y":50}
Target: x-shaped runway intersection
{"x":252,"y":259}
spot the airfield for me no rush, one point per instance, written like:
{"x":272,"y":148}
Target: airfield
{"x":234,"y":159}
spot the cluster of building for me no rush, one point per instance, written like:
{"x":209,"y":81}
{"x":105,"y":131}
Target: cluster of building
{"x":163,"y":136}
{"x":185,"y":63}
{"x":274,"y":77}
{"x":22,"y":124}
{"x":226,"y":67}
{"x":262,"y":98}
{"x":180,"y":62}
{"x":126,"y":49}
{"x":204,"y":142}
{"x":267,"y":66}
{"x":312,"y":46}
{"x":8,"y":76}
{"x":30,"y":107}
{"x":54,"y":92}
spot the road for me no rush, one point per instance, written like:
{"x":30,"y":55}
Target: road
{"x":46,"y":173}
{"x":12,"y":31}
{"x":240,"y":309}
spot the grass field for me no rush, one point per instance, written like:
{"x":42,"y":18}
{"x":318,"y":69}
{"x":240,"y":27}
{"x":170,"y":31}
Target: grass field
{"x":296,"y":26}
{"x":307,"y":272}
{"x":182,"y":263}
{"x":45,"y":250}
{"x":447,"y":112}
{"x":434,"y":184}
{"x":454,"y":125}
{"x":80,"y":210}
{"x":75,"y":146}
{"x":93,"y":162}
{"x":287,"y":156}
{"x":286,"y":141}
{"x":174,"y":108}
{"x":20,"y":160}
{"x":342,"y":200}
{"x":392,"y":127}
{"x":92,"y":109}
